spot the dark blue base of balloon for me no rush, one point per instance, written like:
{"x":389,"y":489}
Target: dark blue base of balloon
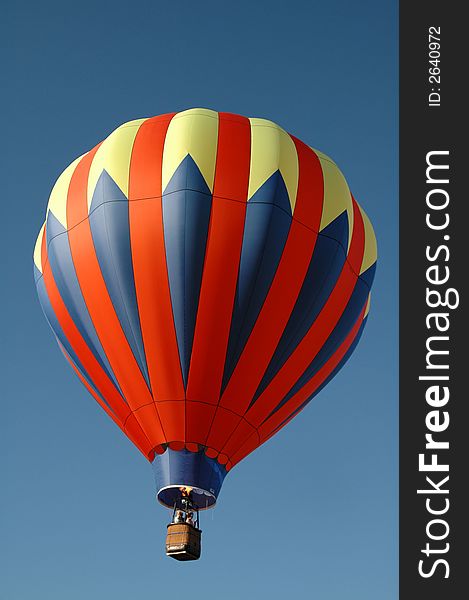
{"x":175,"y":469}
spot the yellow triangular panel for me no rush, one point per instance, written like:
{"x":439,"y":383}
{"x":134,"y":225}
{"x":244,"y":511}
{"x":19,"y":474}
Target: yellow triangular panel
{"x":193,"y":132}
{"x":367,"y":309}
{"x":58,"y":197}
{"x":272,"y":149}
{"x":37,"y":249}
{"x":337,"y":197}
{"x":114,"y":156}
{"x":371,"y":250}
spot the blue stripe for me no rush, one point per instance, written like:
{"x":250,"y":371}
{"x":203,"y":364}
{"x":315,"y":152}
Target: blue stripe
{"x":266,"y":229}
{"x":65,"y":277}
{"x":345,"y":324}
{"x":187,"y":204}
{"x":323,"y":272}
{"x":109,"y":222}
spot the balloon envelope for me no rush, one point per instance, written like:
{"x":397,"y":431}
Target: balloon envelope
{"x":205,"y":274}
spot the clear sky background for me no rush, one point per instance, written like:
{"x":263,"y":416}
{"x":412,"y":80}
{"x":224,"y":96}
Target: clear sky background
{"x":79,"y":516}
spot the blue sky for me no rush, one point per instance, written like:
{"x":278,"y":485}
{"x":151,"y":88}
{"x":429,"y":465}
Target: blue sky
{"x":79,"y":518}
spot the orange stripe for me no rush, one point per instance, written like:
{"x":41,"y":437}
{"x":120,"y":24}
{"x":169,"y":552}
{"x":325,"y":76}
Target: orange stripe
{"x":199,"y":417}
{"x":172,"y":414}
{"x":100,"y":306}
{"x":222,"y":257}
{"x":149,"y":262}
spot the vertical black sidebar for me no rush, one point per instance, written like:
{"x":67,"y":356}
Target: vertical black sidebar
{"x":434,"y":334}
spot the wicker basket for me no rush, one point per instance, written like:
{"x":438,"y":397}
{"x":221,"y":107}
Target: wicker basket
{"x":183,"y":541}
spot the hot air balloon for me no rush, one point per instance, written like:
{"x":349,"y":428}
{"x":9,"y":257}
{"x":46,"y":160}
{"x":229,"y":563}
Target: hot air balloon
{"x":205,"y":275}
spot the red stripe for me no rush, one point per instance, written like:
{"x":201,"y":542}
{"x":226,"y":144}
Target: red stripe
{"x":100,"y":306}
{"x":284,"y":290}
{"x":149,"y":262}
{"x":221,"y":264}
